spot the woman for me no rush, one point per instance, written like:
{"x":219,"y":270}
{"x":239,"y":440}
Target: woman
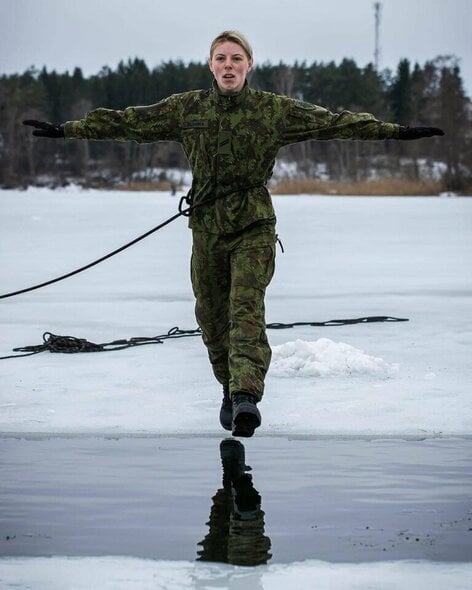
{"x":231,"y":135}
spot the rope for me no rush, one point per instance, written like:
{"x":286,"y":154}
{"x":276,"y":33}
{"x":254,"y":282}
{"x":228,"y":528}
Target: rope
{"x":183,"y":211}
{"x":71,"y":344}
{"x":95,"y":262}
{"x":366,"y":320}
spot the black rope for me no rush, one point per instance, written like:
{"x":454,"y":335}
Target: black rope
{"x":366,"y":320}
{"x":71,"y":344}
{"x":183,"y":211}
{"x":95,"y":262}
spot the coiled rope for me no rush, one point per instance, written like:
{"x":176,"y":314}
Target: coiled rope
{"x":72,"y":344}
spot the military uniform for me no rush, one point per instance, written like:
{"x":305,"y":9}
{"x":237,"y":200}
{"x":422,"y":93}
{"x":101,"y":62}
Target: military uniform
{"x":231,"y":142}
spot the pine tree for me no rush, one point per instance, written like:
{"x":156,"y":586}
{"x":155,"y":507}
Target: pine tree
{"x":400,"y":94}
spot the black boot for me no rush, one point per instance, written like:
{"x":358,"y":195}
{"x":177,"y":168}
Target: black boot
{"x":246,"y":500}
{"x":232,"y":460}
{"x":226,"y":411}
{"x":246,"y":416}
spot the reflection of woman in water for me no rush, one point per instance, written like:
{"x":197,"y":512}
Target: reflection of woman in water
{"x":236,"y":522}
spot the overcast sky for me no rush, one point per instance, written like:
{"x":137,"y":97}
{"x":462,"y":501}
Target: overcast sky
{"x":63,"y":34}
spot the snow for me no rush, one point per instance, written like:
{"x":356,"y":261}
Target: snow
{"x":345,"y":257}
{"x":324,"y":358}
{"x":122,"y":573}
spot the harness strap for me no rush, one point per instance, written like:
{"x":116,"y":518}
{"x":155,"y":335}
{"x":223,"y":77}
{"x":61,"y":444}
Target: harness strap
{"x":187,"y":200}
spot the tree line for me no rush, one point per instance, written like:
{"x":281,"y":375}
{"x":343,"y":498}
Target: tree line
{"x":431,"y":94}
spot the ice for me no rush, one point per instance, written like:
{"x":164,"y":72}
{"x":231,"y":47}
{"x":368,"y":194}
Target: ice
{"x":345,"y":257}
{"x":124,"y":573}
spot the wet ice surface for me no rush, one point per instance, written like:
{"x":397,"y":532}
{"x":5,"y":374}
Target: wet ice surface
{"x":331,"y":500}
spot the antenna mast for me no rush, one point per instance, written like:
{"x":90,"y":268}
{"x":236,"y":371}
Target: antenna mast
{"x":377,"y":9}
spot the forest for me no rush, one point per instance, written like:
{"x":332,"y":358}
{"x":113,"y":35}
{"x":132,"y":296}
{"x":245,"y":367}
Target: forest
{"x":431,"y":94}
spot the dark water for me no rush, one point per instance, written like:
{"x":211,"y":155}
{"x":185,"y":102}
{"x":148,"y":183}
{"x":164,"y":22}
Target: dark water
{"x":335,"y":500}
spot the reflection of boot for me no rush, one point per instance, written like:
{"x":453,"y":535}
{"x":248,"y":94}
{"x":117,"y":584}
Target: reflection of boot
{"x":215,"y":544}
{"x":232,"y":460}
{"x":236,"y":522}
{"x":246,"y":499}
{"x":247,"y":544}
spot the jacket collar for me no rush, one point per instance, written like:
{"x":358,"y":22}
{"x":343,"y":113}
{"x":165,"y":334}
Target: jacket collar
{"x":228,"y":100}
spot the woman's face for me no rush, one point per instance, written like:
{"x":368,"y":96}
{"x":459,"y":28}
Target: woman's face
{"x":230,"y":65}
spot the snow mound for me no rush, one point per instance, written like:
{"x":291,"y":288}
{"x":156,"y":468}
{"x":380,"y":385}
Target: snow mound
{"x":325,"y":358}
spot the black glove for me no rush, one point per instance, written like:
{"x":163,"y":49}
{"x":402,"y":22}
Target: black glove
{"x":44,"y":129}
{"x":418,"y":132}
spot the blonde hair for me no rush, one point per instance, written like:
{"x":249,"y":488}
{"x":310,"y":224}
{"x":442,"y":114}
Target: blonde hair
{"x":234,"y":37}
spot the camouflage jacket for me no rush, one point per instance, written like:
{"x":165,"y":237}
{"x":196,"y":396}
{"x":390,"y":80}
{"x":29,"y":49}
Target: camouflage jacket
{"x":231,"y":143}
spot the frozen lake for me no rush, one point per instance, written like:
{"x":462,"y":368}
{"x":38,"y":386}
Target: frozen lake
{"x":110,"y":461}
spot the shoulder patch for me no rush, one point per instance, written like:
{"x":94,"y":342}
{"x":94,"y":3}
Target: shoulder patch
{"x":306,"y":106}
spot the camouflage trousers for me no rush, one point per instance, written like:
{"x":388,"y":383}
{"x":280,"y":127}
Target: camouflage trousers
{"x":230,"y":274}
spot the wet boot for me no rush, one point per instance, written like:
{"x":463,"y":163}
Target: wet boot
{"x":246,"y":416}
{"x":226,"y":411}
